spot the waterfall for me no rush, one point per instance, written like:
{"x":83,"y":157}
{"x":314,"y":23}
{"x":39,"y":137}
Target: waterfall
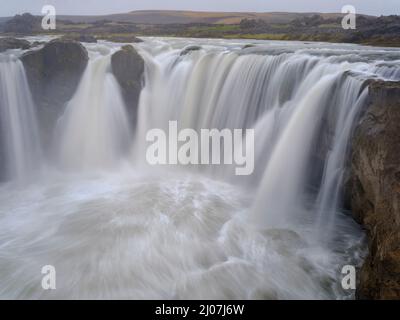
{"x":291,"y":100}
{"x":94,"y":130}
{"x":115,"y":226}
{"x":284,"y":194}
{"x":21,"y":152}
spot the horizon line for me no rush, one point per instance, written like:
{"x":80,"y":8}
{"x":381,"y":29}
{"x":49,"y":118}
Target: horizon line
{"x":198,"y":11}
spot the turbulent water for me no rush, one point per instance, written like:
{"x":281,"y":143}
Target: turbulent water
{"x":115,"y":227}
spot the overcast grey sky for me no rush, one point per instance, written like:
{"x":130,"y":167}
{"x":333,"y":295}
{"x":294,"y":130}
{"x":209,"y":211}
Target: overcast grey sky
{"x":94,"y":7}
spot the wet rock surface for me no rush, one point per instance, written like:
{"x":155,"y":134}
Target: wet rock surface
{"x":53,"y":73}
{"x":375,"y":190}
{"x":128,"y":68}
{"x":12,"y":43}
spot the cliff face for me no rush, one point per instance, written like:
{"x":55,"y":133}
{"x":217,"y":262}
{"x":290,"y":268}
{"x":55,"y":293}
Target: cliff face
{"x":375,"y":190}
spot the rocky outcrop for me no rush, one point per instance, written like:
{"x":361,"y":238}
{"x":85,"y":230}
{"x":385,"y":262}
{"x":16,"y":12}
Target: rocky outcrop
{"x":375,"y":190}
{"x":53,"y":74}
{"x":128,"y":68}
{"x":12,"y":43}
{"x":190,"y":49}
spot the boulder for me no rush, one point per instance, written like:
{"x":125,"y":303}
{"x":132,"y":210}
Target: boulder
{"x":248,"y":46}
{"x":375,"y":190}
{"x":53,"y":73}
{"x":12,"y":43}
{"x":190,"y":49}
{"x":128,"y":68}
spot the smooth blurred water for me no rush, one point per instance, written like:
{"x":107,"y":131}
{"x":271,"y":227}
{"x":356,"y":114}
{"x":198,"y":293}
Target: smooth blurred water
{"x":115,"y":227}
{"x":94,"y":131}
{"x":19,"y":135}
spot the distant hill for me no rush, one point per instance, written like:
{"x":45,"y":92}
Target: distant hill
{"x":4,"y":19}
{"x":184,"y":17}
{"x":372,"y":30}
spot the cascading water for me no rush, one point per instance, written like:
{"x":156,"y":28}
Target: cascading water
{"x":18,"y":127}
{"x":94,"y":131}
{"x":286,"y":98}
{"x":284,"y":193}
{"x":139,"y":231}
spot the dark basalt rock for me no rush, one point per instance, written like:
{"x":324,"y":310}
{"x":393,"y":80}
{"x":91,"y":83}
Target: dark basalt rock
{"x":375,"y":190}
{"x":37,"y":44}
{"x":53,"y":73}
{"x":248,"y":46}
{"x":190,"y":49}
{"x":128,"y":68}
{"x":12,"y":43}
